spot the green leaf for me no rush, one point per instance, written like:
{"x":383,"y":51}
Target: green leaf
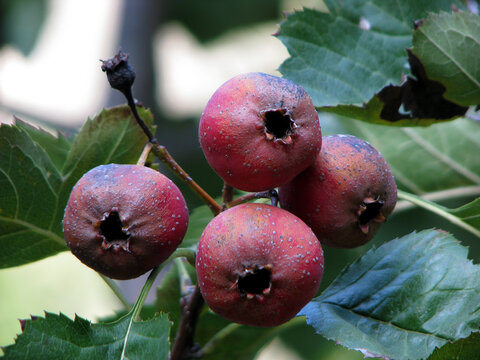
{"x":469,"y":213}
{"x":344,"y":66}
{"x":464,"y":349}
{"x":34,"y":192}
{"x":28,"y":183}
{"x":425,"y":160}
{"x":467,"y":216}
{"x":447,"y":45}
{"x":58,"y":337}
{"x":403,"y":299}
{"x":56,"y":147}
{"x":199,"y":218}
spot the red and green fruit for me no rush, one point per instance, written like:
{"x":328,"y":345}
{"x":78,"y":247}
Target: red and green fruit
{"x":258,"y":264}
{"x":346,"y":195}
{"x":259,"y":131}
{"x":123,"y":220}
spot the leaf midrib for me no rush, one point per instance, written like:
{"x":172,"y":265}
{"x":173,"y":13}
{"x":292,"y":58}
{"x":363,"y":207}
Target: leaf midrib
{"x":441,"y":156}
{"x":73,"y":169}
{"x":440,"y":337}
{"x":35,"y":228}
{"x":451,"y":58}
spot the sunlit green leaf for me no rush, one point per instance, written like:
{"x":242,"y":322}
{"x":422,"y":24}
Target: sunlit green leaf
{"x":56,"y":147}
{"x":58,"y":337}
{"x":28,"y":196}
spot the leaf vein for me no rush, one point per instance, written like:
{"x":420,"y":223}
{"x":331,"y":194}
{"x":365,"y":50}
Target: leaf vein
{"x":442,"y":157}
{"x":441,"y":337}
{"x":35,"y":228}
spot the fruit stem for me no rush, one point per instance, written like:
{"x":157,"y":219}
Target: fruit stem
{"x":227,"y":194}
{"x":269,"y":194}
{"x":116,"y":290}
{"x":439,"y":210}
{"x":146,"y":151}
{"x":161,"y":152}
{"x":185,"y":279}
{"x":187,"y":253}
{"x":183,"y":346}
{"x":442,"y":195}
{"x":137,"y":308}
{"x":121,"y":76}
{"x":131,"y":103}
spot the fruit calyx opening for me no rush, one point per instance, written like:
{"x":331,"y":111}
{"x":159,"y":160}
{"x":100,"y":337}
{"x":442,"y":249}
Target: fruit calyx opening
{"x":370,"y":211}
{"x":113,"y":233}
{"x":278,"y":125}
{"x":255,"y":281}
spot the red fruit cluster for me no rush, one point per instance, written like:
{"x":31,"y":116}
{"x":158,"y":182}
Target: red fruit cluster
{"x":258,"y":264}
{"x":123,"y":220}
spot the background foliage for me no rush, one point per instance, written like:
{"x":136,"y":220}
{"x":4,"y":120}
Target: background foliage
{"x":414,"y":297}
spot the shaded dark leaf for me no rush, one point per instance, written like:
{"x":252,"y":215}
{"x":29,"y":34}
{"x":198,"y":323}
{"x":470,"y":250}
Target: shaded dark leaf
{"x":420,"y":98}
{"x":464,"y":349}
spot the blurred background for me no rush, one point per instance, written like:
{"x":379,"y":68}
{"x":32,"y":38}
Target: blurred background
{"x":181,"y":50}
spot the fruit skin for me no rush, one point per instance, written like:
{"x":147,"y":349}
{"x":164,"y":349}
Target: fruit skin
{"x":258,"y":236}
{"x":151,"y":209}
{"x":242,"y":149}
{"x":347,"y":177}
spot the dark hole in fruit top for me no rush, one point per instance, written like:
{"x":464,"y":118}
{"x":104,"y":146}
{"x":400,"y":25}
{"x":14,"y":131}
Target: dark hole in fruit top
{"x":112,"y":229}
{"x":370,"y":212}
{"x":278,"y":122}
{"x":255,"y":282}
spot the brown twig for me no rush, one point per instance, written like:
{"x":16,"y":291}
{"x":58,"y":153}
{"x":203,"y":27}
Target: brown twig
{"x":227,"y":195}
{"x":121,"y":77}
{"x":269,"y":194}
{"x":146,"y":151}
{"x":184,"y":346}
{"x":162,"y":153}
